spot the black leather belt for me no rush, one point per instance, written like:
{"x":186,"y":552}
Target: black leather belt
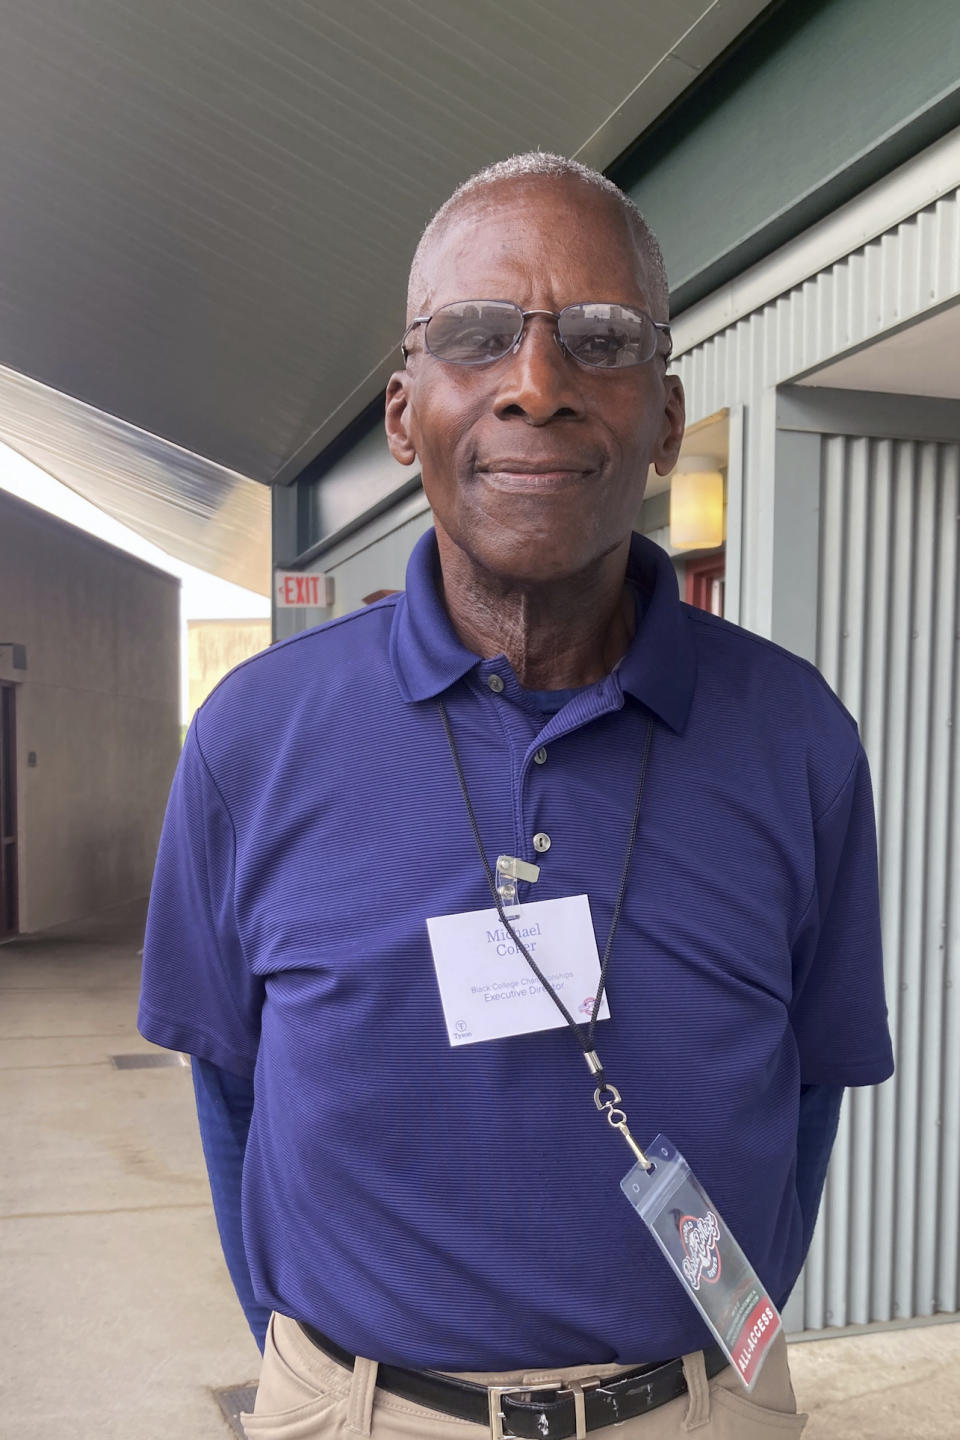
{"x":528,"y":1412}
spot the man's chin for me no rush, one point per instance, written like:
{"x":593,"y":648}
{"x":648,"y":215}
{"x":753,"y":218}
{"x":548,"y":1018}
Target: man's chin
{"x":505,"y":554}
{"x":528,"y":564}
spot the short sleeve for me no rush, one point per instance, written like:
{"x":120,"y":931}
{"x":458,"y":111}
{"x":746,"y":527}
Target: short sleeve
{"x":839,"y":1012}
{"x":197,"y":993}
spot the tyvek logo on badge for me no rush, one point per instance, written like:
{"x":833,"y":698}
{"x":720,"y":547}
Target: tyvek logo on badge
{"x":700,"y":1236}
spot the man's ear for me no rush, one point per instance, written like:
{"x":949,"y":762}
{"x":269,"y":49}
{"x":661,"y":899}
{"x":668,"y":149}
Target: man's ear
{"x":667,"y":448}
{"x":397,"y":418}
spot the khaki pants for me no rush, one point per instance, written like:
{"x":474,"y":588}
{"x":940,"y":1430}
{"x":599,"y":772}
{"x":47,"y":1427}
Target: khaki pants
{"x":305,"y":1396}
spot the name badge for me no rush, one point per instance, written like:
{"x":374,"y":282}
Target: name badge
{"x":487,"y":988}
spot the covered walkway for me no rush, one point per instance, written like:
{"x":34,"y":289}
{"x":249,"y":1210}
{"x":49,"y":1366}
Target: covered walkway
{"x":118,"y":1320}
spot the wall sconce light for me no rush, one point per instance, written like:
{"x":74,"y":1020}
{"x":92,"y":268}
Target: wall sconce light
{"x":696,"y":504}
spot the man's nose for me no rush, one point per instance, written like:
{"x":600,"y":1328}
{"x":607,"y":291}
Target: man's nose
{"x":537,"y":382}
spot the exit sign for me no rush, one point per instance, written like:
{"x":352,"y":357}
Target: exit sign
{"x":297,"y":589}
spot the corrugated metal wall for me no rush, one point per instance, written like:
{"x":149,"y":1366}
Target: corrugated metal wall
{"x":889,"y":619}
{"x":888,"y":624}
{"x":909,"y":270}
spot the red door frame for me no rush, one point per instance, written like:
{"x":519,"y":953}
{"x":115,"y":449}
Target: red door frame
{"x":704,"y":582}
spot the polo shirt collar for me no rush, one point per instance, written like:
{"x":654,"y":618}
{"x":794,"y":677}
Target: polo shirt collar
{"x":659,"y":668}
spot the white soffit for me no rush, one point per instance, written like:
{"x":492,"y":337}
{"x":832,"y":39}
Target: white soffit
{"x":922,"y":359}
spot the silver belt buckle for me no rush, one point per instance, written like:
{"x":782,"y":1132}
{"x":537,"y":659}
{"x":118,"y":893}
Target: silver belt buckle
{"x":589,"y":1382}
{"x":495,"y":1394}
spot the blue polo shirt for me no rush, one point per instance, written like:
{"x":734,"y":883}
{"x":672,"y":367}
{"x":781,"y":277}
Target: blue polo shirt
{"x":460,"y":1209}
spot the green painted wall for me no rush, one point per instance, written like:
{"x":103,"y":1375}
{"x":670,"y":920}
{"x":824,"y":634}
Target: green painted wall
{"x":820,"y":101}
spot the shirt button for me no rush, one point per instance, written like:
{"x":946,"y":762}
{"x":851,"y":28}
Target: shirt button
{"x":541,"y":842}
{"x":495,"y":683}
{"x":540,"y":756}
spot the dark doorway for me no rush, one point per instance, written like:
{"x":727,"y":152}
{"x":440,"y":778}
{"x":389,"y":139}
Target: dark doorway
{"x":8,"y":812}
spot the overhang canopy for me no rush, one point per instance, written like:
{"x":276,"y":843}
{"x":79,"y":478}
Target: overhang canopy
{"x":209,"y":208}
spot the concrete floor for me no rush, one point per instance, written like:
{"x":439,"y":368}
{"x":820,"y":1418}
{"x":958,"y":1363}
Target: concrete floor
{"x":118,"y":1321}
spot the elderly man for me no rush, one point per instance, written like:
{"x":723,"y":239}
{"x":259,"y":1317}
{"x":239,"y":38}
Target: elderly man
{"x":398,"y":846}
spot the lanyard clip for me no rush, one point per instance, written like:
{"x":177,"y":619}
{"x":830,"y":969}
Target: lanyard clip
{"x":606,"y":1097}
{"x":509,"y":871}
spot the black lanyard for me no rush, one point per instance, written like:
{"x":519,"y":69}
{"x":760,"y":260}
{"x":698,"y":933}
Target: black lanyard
{"x":585,"y":1042}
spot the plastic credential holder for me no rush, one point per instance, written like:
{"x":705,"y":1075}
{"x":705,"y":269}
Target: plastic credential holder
{"x":706,"y":1259}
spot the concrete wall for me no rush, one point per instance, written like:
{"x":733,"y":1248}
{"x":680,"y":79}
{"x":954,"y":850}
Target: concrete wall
{"x":97,"y":712}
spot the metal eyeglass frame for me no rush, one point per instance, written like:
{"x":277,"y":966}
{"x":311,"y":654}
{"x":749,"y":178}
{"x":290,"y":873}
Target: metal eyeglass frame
{"x":660,"y":326}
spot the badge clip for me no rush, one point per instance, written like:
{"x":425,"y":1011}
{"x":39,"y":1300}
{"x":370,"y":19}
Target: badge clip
{"x":607,"y":1101}
{"x":509,"y":870}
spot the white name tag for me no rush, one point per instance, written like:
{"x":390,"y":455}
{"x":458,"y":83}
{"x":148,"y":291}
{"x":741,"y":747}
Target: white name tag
{"x":487,"y":988}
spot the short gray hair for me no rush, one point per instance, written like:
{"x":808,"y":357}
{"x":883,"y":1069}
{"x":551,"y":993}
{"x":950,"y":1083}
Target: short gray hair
{"x":528,"y":166}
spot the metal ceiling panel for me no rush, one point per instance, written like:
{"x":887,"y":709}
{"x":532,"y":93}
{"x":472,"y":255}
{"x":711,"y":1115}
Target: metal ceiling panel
{"x":209,"y":205}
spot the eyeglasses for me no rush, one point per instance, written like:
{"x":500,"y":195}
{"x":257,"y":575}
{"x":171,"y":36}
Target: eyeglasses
{"x":602,"y":336}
